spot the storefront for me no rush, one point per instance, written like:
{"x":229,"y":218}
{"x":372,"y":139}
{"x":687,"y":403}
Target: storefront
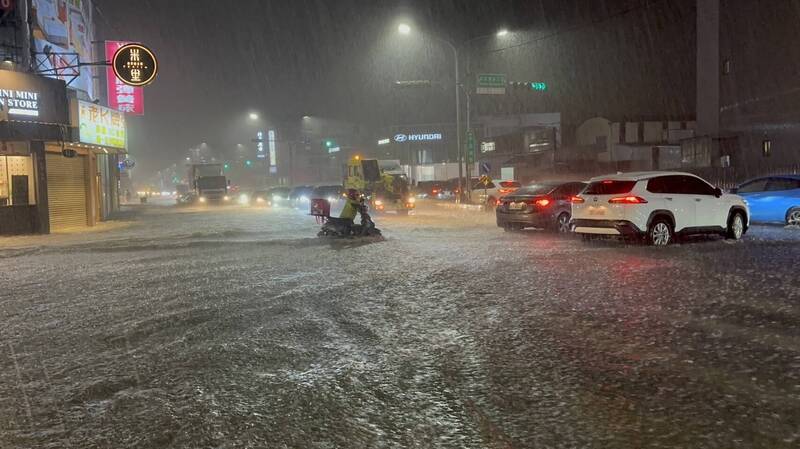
{"x":33,"y":110}
{"x":83,"y":188}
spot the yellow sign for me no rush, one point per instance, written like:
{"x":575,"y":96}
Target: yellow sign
{"x":102,"y":126}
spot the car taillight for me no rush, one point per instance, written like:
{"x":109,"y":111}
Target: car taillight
{"x":575,"y":199}
{"x":506,"y":191}
{"x":627,"y":200}
{"x":499,"y":203}
{"x":542,"y":202}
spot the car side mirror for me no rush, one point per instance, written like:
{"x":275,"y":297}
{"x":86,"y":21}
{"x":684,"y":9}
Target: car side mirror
{"x":717,"y":192}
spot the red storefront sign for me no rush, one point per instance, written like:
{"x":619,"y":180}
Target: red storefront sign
{"x":122,"y":97}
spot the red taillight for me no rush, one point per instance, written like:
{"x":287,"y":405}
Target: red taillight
{"x":499,"y":203}
{"x":575,"y":199}
{"x":542,"y":202}
{"x":506,"y":191}
{"x":627,"y":200}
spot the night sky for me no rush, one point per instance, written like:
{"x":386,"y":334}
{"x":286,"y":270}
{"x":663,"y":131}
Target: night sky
{"x":220,"y":60}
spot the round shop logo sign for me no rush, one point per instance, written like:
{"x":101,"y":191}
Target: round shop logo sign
{"x":400,"y":137}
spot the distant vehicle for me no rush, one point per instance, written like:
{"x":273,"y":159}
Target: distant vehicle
{"x":541,"y":205}
{"x":658,"y":206}
{"x":489,"y":194}
{"x":278,"y":195}
{"x":383,"y":181}
{"x":300,"y":196}
{"x":209,"y":183}
{"x":773,"y":199}
{"x":332,"y":193}
{"x":257,"y":198}
{"x":429,"y":189}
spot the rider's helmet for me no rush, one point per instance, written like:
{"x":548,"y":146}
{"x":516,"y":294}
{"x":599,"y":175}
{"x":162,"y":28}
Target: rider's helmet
{"x":352,"y":194}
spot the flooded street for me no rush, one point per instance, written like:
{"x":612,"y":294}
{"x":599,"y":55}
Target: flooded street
{"x":233,"y":327}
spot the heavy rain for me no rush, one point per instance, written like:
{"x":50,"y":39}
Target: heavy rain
{"x":399,"y":224}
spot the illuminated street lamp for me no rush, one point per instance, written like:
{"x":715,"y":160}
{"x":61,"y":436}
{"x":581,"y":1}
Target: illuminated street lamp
{"x":253,"y":116}
{"x":405,"y":29}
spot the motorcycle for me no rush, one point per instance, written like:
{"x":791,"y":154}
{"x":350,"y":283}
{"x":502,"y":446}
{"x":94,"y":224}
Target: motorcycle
{"x":342,"y":227}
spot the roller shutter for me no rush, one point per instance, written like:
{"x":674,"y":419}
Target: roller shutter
{"x":66,"y":191}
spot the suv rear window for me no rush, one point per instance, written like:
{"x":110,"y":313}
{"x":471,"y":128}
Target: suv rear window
{"x":609,"y":187}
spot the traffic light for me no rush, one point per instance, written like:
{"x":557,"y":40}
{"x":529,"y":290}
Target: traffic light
{"x":329,"y":143}
{"x":248,"y":163}
{"x":226,"y":166}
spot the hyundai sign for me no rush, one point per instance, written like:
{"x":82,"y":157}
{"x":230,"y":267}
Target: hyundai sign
{"x":400,"y":138}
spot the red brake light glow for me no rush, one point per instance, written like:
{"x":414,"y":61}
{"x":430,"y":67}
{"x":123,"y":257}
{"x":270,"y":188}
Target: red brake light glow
{"x":575,"y":199}
{"x":627,"y":200}
{"x":506,"y":191}
{"x":542,"y":202}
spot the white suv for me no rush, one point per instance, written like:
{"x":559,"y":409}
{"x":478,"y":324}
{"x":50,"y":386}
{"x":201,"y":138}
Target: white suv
{"x":658,"y":206}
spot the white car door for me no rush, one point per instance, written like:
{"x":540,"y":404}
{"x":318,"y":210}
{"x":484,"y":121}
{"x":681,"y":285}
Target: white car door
{"x":708,"y":208}
{"x":677,"y":201}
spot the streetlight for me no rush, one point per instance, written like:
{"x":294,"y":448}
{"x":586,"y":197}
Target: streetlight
{"x":253,"y":116}
{"x":405,"y":29}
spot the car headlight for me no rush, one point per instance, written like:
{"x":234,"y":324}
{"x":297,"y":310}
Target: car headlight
{"x":202,"y":199}
{"x":226,"y":198}
{"x":412,"y":200}
{"x":243,"y":199}
{"x":378,"y":203}
{"x":259,"y":200}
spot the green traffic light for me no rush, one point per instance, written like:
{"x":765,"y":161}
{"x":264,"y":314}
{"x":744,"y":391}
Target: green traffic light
{"x":329,"y":143}
{"x":248,"y":163}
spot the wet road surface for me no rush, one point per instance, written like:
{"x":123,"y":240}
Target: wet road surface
{"x":239,"y":328}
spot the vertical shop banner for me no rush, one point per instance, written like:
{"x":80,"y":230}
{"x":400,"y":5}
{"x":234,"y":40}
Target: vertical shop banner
{"x":273,"y":157}
{"x":122,"y":97}
{"x":101,"y":126}
{"x":62,"y":36}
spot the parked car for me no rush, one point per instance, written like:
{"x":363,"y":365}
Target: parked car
{"x":490,"y":193}
{"x":657,"y":206}
{"x":773,"y":198}
{"x":332,"y":193}
{"x":541,"y":205}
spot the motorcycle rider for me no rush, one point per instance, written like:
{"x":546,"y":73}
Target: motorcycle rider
{"x":352,"y":206}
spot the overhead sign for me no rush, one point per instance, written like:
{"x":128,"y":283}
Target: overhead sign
{"x":135,"y":65}
{"x":487,"y":147}
{"x":121,"y":96}
{"x":32,"y":98}
{"x":260,"y":153}
{"x":491,"y":84}
{"x":273,"y":158}
{"x":384,"y":141}
{"x":334,"y":150}
{"x":417,"y":137}
{"x":100,"y":125}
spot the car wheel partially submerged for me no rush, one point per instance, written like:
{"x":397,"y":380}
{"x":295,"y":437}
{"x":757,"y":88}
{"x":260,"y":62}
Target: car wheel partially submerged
{"x":793,"y":217}
{"x":736,"y":226}
{"x":659,"y":233}
{"x":562,"y":223}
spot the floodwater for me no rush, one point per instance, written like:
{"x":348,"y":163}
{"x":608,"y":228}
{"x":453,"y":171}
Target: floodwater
{"x":238,"y":328}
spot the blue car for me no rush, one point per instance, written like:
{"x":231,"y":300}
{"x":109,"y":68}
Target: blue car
{"x":773,"y":198}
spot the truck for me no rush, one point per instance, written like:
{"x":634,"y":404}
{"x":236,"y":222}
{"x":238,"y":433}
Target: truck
{"x":208,"y":182}
{"x":383,"y":181}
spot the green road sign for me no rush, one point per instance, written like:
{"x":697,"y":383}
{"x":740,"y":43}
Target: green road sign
{"x":470,"y":147}
{"x":491,"y":83}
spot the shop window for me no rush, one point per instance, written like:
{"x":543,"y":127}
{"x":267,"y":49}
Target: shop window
{"x":16,"y":181}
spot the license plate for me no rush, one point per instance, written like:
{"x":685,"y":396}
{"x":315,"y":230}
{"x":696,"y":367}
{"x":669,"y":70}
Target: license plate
{"x":597,"y":211}
{"x":516,"y":206}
